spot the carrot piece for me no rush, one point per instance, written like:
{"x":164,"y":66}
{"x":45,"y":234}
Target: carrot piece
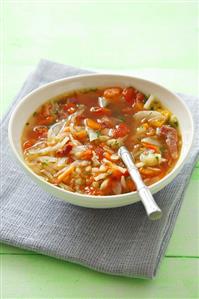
{"x":151,"y":146}
{"x":80,"y":135}
{"x":137,"y":106}
{"x":107,"y":156}
{"x":145,"y":125}
{"x":93,"y":124}
{"x":63,"y":175}
{"x":66,"y":129}
{"x":86,"y":155}
{"x":113,"y":93}
{"x":149,"y":172}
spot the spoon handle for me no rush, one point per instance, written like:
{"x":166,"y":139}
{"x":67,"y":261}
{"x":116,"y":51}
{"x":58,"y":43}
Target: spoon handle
{"x":152,"y":209}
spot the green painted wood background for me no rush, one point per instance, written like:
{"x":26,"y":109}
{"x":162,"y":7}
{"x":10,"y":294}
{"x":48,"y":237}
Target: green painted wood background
{"x":157,"y":40}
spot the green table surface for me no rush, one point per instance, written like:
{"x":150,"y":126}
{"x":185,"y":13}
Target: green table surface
{"x":156,"y":40}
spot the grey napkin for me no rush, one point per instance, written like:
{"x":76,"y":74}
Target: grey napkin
{"x":120,"y":241}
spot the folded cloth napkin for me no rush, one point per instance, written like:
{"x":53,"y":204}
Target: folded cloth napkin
{"x":120,"y":241}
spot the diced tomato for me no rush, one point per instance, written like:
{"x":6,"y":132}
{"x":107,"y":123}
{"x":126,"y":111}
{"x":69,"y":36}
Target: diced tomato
{"x":100,"y":111}
{"x":113,"y":94}
{"x":121,"y":130}
{"x":129,"y":95}
{"x":67,"y":106}
{"x":70,"y":159}
{"x":28,"y":143}
{"x":71,"y":110}
{"x":45,"y":120}
{"x":80,"y":119}
{"x":140,"y":97}
{"x":64,"y":151}
{"x":40,"y":132}
{"x":99,"y":151}
{"x":116,"y":174}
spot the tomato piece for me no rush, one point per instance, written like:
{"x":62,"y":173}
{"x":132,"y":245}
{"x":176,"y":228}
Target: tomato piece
{"x":80,"y":119}
{"x":99,"y":151}
{"x":116,"y":174}
{"x":121,"y":130}
{"x":67,"y":106}
{"x":100,"y":111}
{"x":140,"y":97}
{"x":71,"y":110}
{"x":28,"y":143}
{"x":44,"y":117}
{"x":129,"y":95}
{"x":45,"y":120}
{"x":40,"y":132}
{"x":113,"y":94}
{"x":64,"y":151}
{"x":70,"y":159}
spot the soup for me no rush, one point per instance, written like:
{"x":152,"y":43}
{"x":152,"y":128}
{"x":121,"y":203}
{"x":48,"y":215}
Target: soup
{"x":72,"y":140}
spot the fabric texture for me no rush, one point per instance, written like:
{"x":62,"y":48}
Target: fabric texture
{"x":120,"y":241}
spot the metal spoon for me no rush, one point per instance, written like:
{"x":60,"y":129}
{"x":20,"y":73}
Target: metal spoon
{"x":152,"y":209}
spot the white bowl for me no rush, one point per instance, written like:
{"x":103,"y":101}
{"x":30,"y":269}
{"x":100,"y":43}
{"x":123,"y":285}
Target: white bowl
{"x":33,"y":100}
